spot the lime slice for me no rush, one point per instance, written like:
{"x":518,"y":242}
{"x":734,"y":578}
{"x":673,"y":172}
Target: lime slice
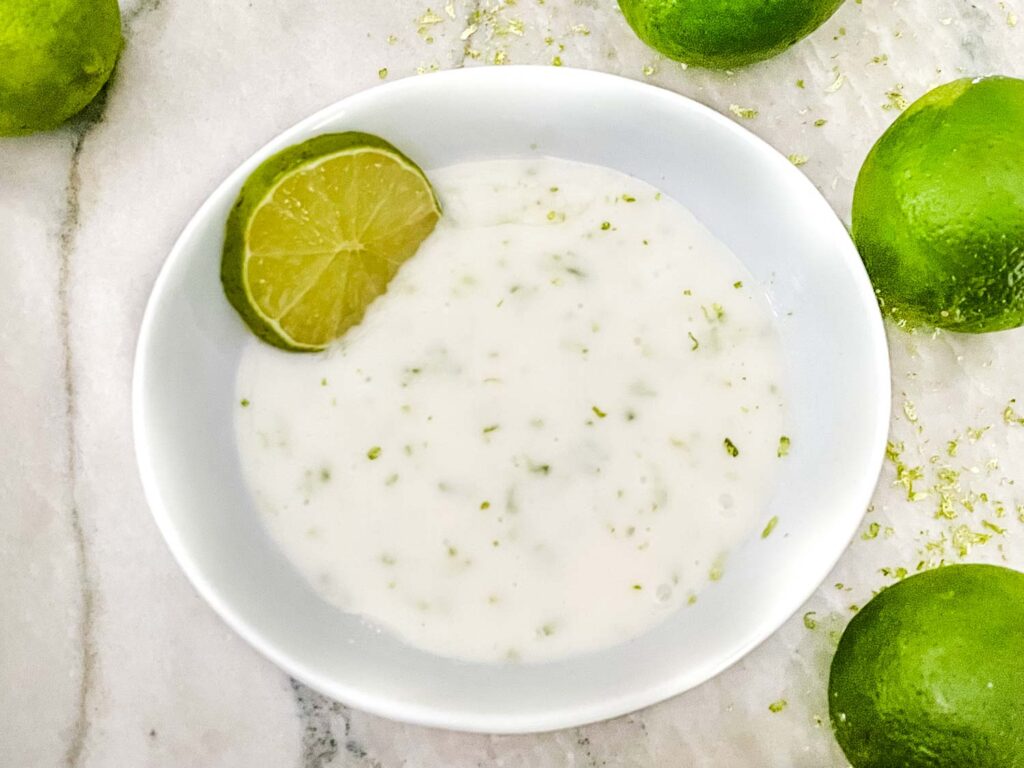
{"x":317,"y":233}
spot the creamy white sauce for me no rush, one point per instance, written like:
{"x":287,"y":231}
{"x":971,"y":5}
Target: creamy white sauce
{"x":522,"y":451}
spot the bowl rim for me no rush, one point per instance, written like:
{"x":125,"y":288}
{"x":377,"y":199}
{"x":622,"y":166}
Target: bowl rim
{"x":675,"y":683}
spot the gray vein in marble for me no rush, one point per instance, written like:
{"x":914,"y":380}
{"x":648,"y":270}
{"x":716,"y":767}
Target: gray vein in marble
{"x":81,"y":128}
{"x":974,"y":44}
{"x":320,"y":744}
{"x":583,"y":742}
{"x":92,"y":117}
{"x":143,"y":8}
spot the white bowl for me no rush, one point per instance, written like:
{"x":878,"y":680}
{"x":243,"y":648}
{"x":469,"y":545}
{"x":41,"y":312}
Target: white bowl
{"x":742,"y":190}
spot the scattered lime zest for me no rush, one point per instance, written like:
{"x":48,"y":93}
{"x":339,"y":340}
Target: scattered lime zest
{"x":899,"y":573}
{"x":730,"y":448}
{"x":717,"y":569}
{"x":770,"y":527}
{"x":717,"y":312}
{"x":993,"y":527}
{"x":745,"y":113}
{"x":896,"y":100}
{"x":1010,"y":415}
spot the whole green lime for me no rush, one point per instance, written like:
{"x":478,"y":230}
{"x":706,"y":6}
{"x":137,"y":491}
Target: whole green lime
{"x":938,"y":210}
{"x":930,"y":673}
{"x":721,"y":34}
{"x":56,"y":55}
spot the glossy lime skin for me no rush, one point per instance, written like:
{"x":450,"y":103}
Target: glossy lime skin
{"x":930,"y":673}
{"x":938,"y":210}
{"x":723,"y":34}
{"x":55,"y":55}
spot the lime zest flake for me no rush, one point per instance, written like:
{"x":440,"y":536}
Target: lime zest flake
{"x":770,"y":527}
{"x":1010,"y":415}
{"x":745,"y":113}
{"x":717,"y":569}
{"x":872,"y":532}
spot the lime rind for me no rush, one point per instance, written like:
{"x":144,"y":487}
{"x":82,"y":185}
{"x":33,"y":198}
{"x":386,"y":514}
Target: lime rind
{"x":56,"y":57}
{"x":938,"y":209}
{"x":725,"y":34}
{"x":929,"y":673}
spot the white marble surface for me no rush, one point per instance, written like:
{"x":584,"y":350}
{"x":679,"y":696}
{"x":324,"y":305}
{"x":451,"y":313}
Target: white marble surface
{"x":108,"y":657}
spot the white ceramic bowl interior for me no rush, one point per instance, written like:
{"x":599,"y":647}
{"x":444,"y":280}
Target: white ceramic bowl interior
{"x":748,"y":195}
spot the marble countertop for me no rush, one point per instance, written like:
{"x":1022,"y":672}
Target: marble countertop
{"x":107,"y":655}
